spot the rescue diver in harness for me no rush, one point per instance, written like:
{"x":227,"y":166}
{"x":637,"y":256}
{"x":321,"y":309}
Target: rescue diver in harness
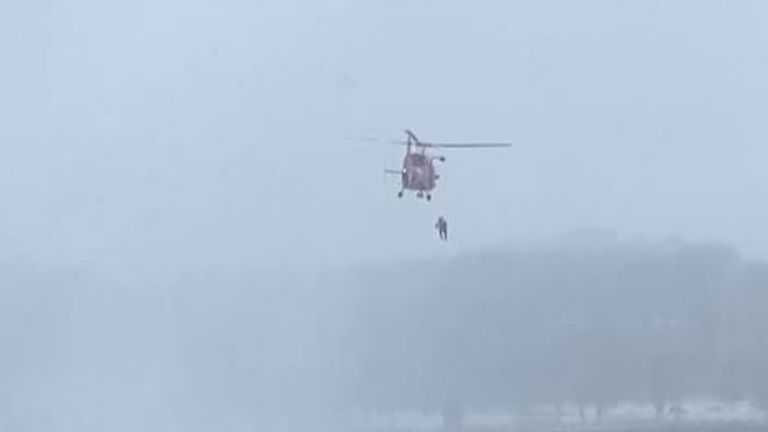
{"x":442,"y":228}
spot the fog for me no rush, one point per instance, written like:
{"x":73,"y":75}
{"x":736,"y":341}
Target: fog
{"x":195,"y":233}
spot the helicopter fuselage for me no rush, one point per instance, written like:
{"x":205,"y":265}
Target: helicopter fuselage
{"x":418,"y":172}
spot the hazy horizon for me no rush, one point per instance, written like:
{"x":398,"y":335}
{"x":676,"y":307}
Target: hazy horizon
{"x":195,"y":233}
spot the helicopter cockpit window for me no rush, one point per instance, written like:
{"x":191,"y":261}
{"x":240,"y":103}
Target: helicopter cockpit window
{"x":418,"y":159}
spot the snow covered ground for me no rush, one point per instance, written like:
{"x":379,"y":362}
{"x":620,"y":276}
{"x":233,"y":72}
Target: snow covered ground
{"x":697,"y":415}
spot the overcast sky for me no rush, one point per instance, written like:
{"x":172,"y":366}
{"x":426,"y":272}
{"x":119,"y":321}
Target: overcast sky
{"x":176,"y":133}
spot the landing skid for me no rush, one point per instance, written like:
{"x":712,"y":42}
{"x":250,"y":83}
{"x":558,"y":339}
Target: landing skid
{"x":420,"y":195}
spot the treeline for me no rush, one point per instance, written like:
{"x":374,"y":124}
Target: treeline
{"x":591,"y":324}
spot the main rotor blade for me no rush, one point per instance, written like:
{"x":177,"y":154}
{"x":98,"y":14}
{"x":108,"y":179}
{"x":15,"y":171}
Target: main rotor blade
{"x":381,"y":141}
{"x":465,"y":145}
{"x":436,"y":145}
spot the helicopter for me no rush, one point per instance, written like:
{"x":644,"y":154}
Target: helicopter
{"x":418,"y":172}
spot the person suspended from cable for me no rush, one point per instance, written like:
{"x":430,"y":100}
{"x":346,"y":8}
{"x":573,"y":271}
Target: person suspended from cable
{"x":442,"y":228}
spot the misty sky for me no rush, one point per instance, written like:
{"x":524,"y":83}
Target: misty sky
{"x":173,"y":133}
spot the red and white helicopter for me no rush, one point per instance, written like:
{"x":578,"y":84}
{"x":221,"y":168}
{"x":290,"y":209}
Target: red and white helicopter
{"x":418,"y":172}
